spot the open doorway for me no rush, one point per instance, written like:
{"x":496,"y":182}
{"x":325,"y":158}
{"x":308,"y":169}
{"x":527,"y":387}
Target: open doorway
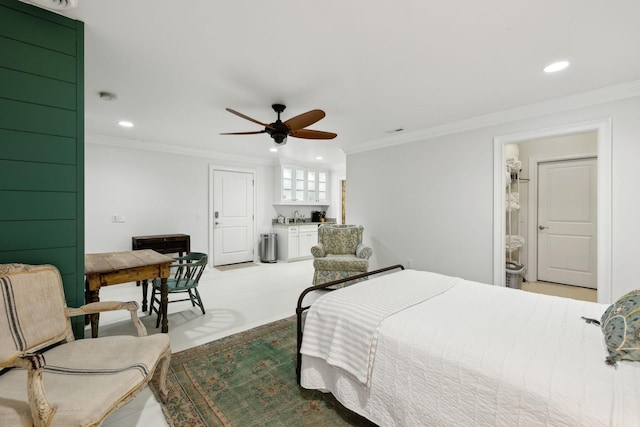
{"x":343,"y":201}
{"x":558,"y":218}
{"x":558,"y":215}
{"x":534,"y":141}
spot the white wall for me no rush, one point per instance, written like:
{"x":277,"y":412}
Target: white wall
{"x":159,"y":193}
{"x":427,"y":205}
{"x":431,"y":201}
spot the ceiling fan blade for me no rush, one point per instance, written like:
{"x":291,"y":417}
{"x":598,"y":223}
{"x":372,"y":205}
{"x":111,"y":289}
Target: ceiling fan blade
{"x":244,"y":133}
{"x":232,"y":111}
{"x":304,"y":119}
{"x":312,"y":134}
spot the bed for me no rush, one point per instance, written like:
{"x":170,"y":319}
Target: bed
{"x":412,"y":348}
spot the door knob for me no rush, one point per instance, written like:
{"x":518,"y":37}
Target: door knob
{"x":542,"y":227}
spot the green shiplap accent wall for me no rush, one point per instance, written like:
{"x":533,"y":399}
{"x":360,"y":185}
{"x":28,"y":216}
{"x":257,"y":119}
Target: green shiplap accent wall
{"x":42,"y":143}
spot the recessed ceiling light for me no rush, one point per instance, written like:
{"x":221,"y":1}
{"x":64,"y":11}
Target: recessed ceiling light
{"x":273,"y":149}
{"x":125,"y":124}
{"x":556,"y":66}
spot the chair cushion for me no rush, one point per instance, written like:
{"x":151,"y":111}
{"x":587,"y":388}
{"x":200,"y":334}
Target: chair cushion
{"x":84,"y":379}
{"x":341,"y":262}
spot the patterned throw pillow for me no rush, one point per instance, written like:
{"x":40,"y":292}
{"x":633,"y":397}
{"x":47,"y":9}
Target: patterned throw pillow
{"x":620,"y":325}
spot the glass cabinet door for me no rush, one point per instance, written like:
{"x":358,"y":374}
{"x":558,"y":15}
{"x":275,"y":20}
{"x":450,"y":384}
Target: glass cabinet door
{"x":299,"y":185}
{"x":322,"y":186}
{"x":287,"y":184}
{"x":311,"y":186}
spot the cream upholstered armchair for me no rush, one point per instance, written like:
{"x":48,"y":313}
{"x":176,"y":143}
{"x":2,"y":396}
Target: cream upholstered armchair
{"x":49,"y":379}
{"x":339,"y":253}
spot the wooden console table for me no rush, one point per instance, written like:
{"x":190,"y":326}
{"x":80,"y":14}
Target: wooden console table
{"x":122,"y":267}
{"x":163,"y":243}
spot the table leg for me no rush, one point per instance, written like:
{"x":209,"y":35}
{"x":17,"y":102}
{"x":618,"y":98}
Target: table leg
{"x":87,"y":319}
{"x":94,"y":319}
{"x":164,"y":301}
{"x":145,"y":287}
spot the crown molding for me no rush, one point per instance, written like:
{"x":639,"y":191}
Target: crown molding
{"x":584,"y":99}
{"x":138,"y":144}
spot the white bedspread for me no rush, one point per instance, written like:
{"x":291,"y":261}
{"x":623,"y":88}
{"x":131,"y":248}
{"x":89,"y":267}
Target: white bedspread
{"x":349,"y":342}
{"x":482,"y":355}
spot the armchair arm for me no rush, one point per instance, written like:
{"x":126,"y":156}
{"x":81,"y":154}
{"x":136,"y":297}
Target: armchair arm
{"x":363,"y":251}
{"x":318,"y":251}
{"x":102,"y":306}
{"x":41,"y":409}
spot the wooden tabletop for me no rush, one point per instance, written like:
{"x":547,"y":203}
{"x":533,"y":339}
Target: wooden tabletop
{"x":114,"y":261}
{"x":160,"y":236}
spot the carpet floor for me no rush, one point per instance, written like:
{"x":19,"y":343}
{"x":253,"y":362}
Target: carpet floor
{"x":248,"y":379}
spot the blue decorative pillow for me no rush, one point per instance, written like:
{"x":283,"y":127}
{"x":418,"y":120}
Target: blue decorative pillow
{"x":620,"y":325}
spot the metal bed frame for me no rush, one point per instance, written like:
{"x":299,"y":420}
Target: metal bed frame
{"x":300,"y":309}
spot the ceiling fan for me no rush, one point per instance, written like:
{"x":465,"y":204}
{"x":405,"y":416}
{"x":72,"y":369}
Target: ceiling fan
{"x":294,"y":127}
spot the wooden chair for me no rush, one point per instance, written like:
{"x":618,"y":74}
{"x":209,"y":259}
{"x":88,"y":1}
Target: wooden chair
{"x":47,"y":377}
{"x":188,"y":270}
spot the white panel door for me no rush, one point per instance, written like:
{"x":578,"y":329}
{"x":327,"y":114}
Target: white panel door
{"x":567,"y":222}
{"x":233,"y":236}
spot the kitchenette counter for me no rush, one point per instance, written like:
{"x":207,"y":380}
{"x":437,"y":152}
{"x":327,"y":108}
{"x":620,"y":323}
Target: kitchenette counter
{"x":293,"y":224}
{"x":295,"y":239}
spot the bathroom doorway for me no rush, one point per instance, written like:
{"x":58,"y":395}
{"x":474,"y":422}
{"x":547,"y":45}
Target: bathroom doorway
{"x":534,"y":142}
{"x":559,"y":204}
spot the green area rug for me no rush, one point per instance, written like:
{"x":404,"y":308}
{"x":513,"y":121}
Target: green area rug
{"x":248,"y":379}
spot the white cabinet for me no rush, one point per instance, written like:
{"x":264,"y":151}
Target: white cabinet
{"x":295,"y":241}
{"x":301,"y":186}
{"x":317,"y":186}
{"x":293,"y":245}
{"x":307,"y":237}
{"x":291,"y":182}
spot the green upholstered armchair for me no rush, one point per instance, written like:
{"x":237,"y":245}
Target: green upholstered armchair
{"x":339,"y":253}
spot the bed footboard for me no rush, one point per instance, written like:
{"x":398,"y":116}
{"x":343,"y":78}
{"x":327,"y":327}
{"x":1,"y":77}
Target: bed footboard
{"x":300,"y":309}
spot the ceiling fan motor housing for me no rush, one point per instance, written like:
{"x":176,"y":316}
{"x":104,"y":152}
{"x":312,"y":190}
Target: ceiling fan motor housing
{"x":278,"y":131}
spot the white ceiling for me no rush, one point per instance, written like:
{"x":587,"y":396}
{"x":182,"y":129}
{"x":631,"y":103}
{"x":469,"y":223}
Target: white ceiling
{"x":372,"y":66}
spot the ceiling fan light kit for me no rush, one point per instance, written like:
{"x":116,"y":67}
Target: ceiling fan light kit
{"x":279,"y":130}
